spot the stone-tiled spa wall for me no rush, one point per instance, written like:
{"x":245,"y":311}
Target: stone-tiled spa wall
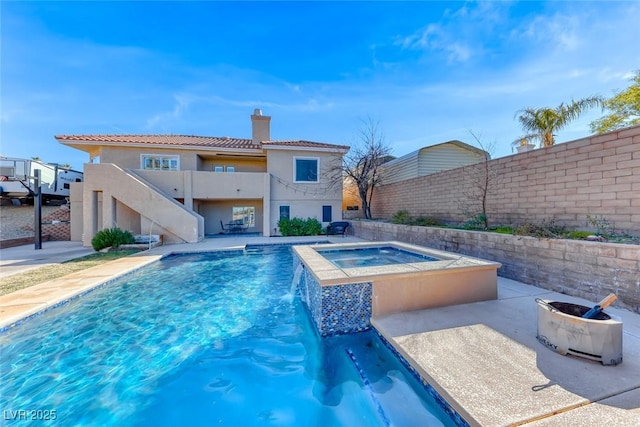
{"x":337,"y":309}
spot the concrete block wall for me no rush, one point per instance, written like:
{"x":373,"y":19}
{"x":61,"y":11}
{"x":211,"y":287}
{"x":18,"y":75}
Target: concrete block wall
{"x":597,"y":176}
{"x":56,"y":225}
{"x":590,"y":270}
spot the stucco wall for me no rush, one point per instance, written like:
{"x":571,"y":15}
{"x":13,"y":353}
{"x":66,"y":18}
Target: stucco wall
{"x":597,"y":176}
{"x":305,"y":199}
{"x":590,"y":270}
{"x":129,"y":158}
{"x":75,"y":217}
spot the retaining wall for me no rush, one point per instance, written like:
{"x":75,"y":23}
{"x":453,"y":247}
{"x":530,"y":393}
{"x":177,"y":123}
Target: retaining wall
{"x":597,"y":176}
{"x":590,"y":270}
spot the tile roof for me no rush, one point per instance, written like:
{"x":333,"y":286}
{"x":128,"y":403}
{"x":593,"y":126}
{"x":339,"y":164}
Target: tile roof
{"x":174,"y":140}
{"x":193,"y":141}
{"x":302,"y":143}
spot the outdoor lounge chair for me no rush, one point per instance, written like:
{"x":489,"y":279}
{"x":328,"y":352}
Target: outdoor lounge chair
{"x":338,"y":227}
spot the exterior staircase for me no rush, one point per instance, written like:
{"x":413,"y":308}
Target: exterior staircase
{"x":146,"y":199}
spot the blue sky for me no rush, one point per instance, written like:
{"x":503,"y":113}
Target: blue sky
{"x":428,"y":72}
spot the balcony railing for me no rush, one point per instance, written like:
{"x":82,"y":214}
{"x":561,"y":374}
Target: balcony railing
{"x":209,"y":185}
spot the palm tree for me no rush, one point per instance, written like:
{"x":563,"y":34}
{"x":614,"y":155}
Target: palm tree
{"x":543,"y":123}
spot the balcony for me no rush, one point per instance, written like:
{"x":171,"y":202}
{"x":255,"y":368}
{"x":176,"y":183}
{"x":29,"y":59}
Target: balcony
{"x":209,"y":185}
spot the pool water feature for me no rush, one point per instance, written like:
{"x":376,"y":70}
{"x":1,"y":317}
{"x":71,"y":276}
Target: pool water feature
{"x":204,"y":339}
{"x":372,"y":256}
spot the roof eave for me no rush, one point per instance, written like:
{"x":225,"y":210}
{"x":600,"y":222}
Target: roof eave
{"x":336,"y":149}
{"x":79,"y":144}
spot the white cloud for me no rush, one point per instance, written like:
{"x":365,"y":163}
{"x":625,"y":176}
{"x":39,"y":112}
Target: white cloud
{"x":433,"y":38}
{"x":458,"y":34}
{"x":559,"y":31}
{"x":424,"y":38}
{"x":181,"y":103}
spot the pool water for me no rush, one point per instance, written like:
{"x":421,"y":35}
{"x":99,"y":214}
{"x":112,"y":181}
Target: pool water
{"x":203,"y":339}
{"x":372,"y":257}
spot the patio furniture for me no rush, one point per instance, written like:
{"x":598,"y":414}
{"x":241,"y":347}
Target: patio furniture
{"x":338,"y":227}
{"x":237,"y":226}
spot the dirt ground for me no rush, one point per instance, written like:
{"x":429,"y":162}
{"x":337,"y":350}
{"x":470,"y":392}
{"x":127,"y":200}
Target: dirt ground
{"x":17,"y":221}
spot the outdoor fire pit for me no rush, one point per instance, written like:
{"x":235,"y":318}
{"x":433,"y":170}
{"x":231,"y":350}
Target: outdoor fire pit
{"x":562,"y":329}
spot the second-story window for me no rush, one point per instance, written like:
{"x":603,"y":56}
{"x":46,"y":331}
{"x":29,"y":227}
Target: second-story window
{"x":157,"y":162}
{"x":305,"y":169}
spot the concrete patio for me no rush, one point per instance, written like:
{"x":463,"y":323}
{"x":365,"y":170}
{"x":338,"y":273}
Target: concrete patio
{"x":484,"y":358}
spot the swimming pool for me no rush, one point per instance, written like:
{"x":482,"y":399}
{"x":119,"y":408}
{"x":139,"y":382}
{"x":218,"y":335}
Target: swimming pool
{"x":203,"y":339}
{"x":372,"y":256}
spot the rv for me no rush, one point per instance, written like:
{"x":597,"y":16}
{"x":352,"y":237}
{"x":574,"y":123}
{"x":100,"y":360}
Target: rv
{"x":17,"y":180}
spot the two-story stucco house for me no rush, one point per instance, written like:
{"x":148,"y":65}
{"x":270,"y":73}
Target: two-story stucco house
{"x":186,"y":187}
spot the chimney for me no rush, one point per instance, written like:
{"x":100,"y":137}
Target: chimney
{"x":260,"y":127}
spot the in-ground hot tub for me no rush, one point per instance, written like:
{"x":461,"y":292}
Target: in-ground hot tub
{"x":346,"y":284}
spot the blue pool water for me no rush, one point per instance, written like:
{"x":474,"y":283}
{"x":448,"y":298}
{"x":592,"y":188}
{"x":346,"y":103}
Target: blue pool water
{"x":372,"y":257}
{"x":203,"y":339}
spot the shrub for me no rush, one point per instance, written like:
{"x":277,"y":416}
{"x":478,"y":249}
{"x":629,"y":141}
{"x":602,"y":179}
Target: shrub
{"x":546,"y":229}
{"x":401,"y":217}
{"x":480,"y":222}
{"x":601,"y":224}
{"x":426,"y":221}
{"x":311,"y":227}
{"x":299,"y":227}
{"x":111,"y":237}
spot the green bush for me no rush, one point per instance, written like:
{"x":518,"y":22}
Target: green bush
{"x":477,"y":223}
{"x":299,"y":227}
{"x":426,"y":221}
{"x":401,"y":217}
{"x":111,"y":237}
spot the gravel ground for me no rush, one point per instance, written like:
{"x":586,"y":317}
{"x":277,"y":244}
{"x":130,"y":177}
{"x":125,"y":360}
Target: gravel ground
{"x":17,"y":221}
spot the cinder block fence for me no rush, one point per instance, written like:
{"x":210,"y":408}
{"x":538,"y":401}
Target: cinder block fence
{"x":597,"y":176}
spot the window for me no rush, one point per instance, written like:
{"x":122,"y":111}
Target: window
{"x":244,"y":215}
{"x":305,"y":169}
{"x":284,"y":212}
{"x":231,"y":168}
{"x":218,"y":169}
{"x":163,"y":163}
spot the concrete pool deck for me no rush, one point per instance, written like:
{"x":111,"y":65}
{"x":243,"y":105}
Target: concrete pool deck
{"x":483,"y":357}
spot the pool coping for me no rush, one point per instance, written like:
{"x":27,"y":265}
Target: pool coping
{"x":328,"y":273}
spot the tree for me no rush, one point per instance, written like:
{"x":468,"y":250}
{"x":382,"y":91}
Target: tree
{"x":361,"y":167}
{"x":480,"y":185}
{"x":624,"y":107}
{"x":542,"y":123}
